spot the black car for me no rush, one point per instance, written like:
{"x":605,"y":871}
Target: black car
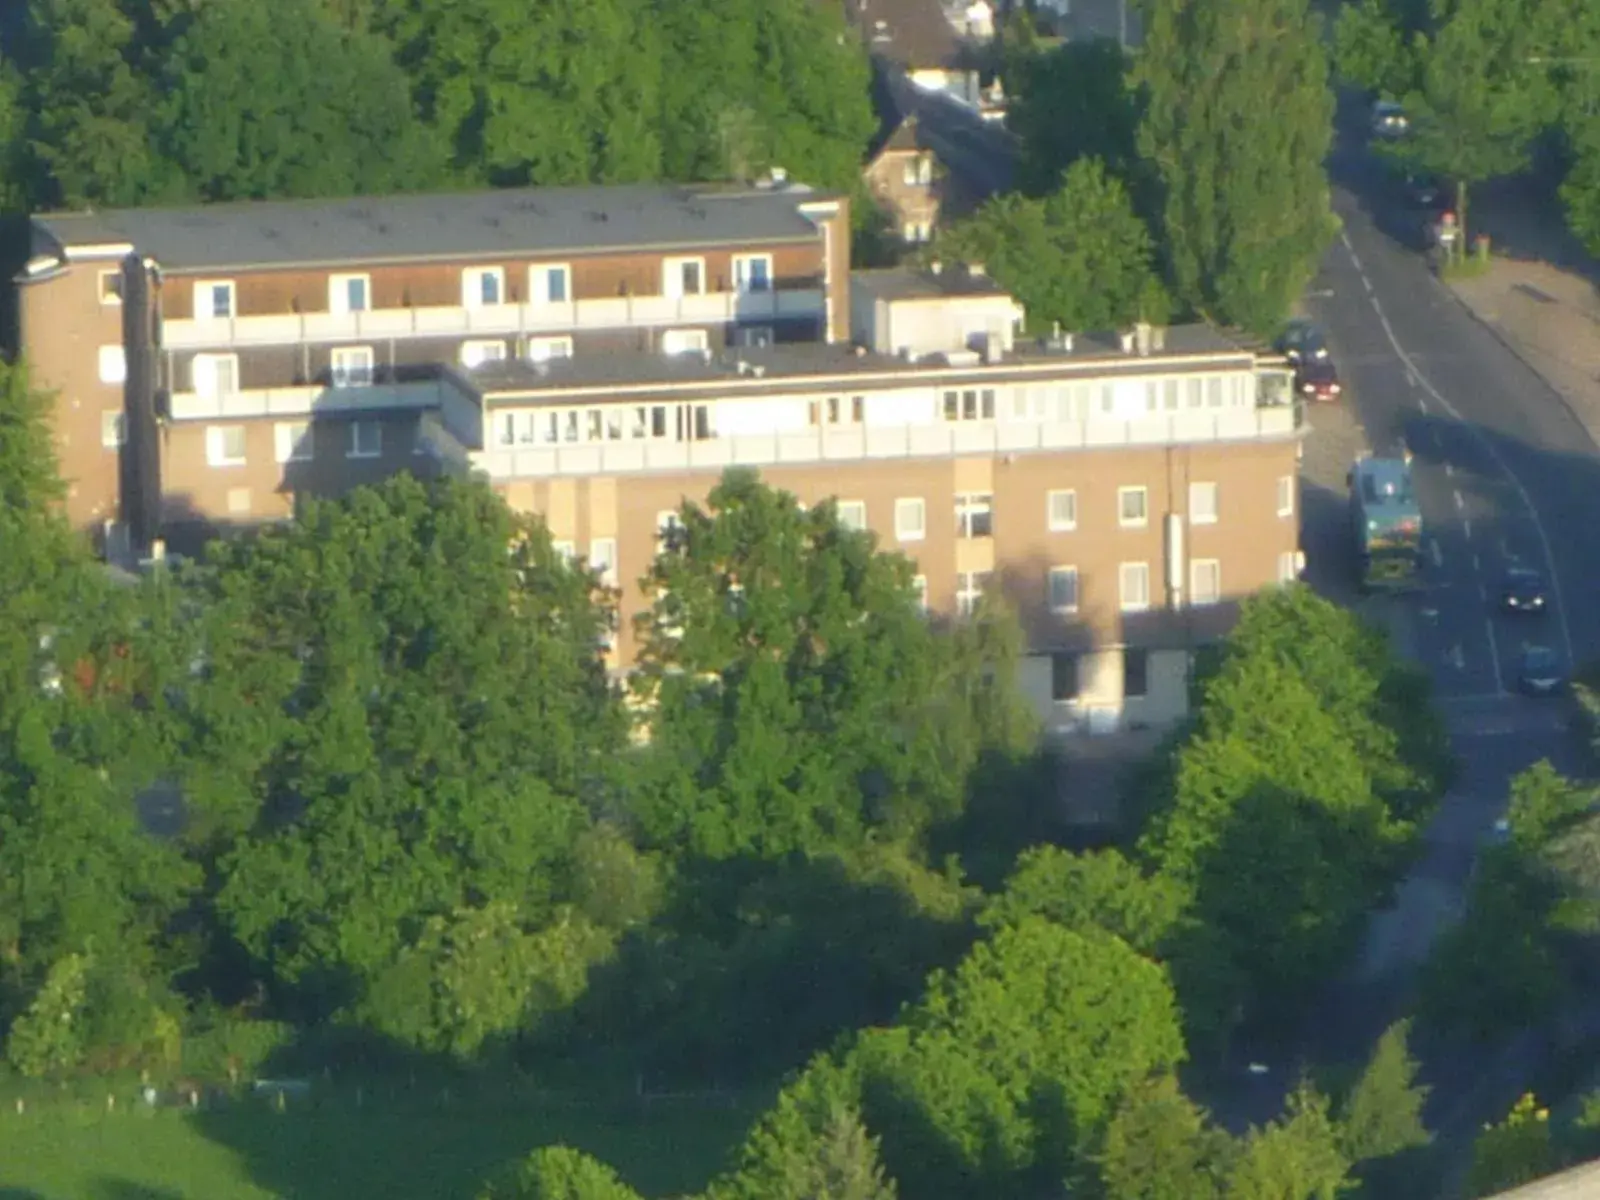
{"x":1423,"y":191}
{"x":1389,"y":120}
{"x":1523,"y":591}
{"x":1301,"y":342}
{"x":1539,"y":671}
{"x":1317,"y":380}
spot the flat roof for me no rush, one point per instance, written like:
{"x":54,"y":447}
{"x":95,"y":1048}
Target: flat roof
{"x":909,"y":283}
{"x":778,"y":368}
{"x":511,"y":222}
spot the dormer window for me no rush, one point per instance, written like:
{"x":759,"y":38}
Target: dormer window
{"x":482,"y":287}
{"x":349,"y":293}
{"x":213,"y":300}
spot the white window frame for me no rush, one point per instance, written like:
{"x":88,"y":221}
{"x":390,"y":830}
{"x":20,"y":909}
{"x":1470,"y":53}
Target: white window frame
{"x":1198,"y":597}
{"x":113,"y":364}
{"x":472,"y":287}
{"x":339,"y":293}
{"x":603,"y":560}
{"x":1198,"y":509}
{"x":919,"y":588}
{"x":354,"y":447}
{"x":293,"y":441}
{"x":969,"y":507}
{"x":547,"y":349}
{"x":1059,"y":522}
{"x":742,"y":283}
{"x":113,"y":429}
{"x":205,"y":297}
{"x":217,"y":453}
{"x":910,"y":519}
{"x":970,"y":588}
{"x":211,"y":362}
{"x":672,"y":276}
{"x":110,"y":295}
{"x":852,"y":514}
{"x":1286,"y":490}
{"x":539,"y":283}
{"x":1062,"y":574}
{"x":1123,"y":495}
{"x":351,"y":366}
{"x":476,"y":352}
{"x":1133,"y":571}
{"x":684,"y":341}
{"x":1288,"y":567}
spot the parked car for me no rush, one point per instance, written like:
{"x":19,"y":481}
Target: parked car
{"x":1539,"y":671}
{"x":1301,"y":341}
{"x":1317,"y":379}
{"x":1523,"y":591}
{"x":1389,"y":120}
{"x":1423,"y":190}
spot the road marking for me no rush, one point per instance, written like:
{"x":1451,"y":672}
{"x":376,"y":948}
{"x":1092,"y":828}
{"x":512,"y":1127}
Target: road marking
{"x":1422,"y":404}
{"x":1494,"y":655}
{"x":1483,"y":593}
{"x":1366,"y":283}
{"x":1489,"y":447}
{"x":1460,"y":503}
{"x":1476,"y":565}
{"x":1438,"y":554}
{"x":1466,"y":527}
{"x":1456,"y":658}
{"x":1344,"y":236}
{"x":1450,"y":470}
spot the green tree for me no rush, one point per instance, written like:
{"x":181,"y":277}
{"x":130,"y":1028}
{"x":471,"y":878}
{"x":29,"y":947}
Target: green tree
{"x":1297,"y":1157}
{"x":1240,"y":191}
{"x":29,"y":483}
{"x":1080,"y":258}
{"x":1513,"y":1152}
{"x":558,"y":1173}
{"x":270,"y":101}
{"x":1543,"y":806}
{"x":48,"y":1038}
{"x":1100,"y":890}
{"x":1073,"y":102}
{"x":1370,"y":49}
{"x":1382,"y":1115}
{"x":1160,"y":1146}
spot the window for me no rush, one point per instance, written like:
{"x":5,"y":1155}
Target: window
{"x":603,"y":560}
{"x":543,"y":349}
{"x":1062,"y":510}
{"x":482,"y":286}
{"x":683,"y":277}
{"x":1135,"y":673}
{"x":475,"y":354}
{"x":238,"y":502}
{"x":910,"y":519}
{"x":291,"y":441}
{"x":970,"y":586}
{"x":1202,"y":504}
{"x":1289,"y":563}
{"x":970,"y":404}
{"x":919,"y":588}
{"x":853,"y":514}
{"x":113,"y":365}
{"x":1063,"y":677}
{"x":909,"y":174}
{"x":214,"y":375}
{"x":110,"y":287}
{"x":975,"y":515}
{"x":1133,"y":506}
{"x":925,"y":169}
{"x":225,"y":445}
{"x":753,"y":335}
{"x":669,"y":531}
{"x":1133,"y":582}
{"x":1205,"y":581}
{"x":366,"y":440}
{"x":916,"y":232}
{"x":113,"y":428}
{"x":1286,"y":495}
{"x":1063,"y":589}
{"x":752,"y":272}
{"x":683,"y":341}
{"x":213,"y":300}
{"x":349,"y":293}
{"x":351,"y":366}
{"x":550,"y":284}
{"x":566,"y":551}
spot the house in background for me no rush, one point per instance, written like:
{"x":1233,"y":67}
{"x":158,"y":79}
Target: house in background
{"x":913,"y":186}
{"x":920,"y":40}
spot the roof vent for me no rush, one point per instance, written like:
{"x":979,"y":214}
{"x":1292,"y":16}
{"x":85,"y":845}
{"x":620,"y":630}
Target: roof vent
{"x":742,"y":367}
{"x":935,"y":267}
{"x":758,"y":371}
{"x":1127,"y":342}
{"x":861,"y":351}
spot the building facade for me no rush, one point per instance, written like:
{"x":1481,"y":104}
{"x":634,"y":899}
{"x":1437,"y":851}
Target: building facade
{"x":601,"y":356}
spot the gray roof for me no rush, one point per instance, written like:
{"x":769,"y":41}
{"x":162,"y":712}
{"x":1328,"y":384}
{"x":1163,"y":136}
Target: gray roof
{"x":450,"y":226}
{"x":784,"y":364}
{"x":906,"y":283}
{"x":1577,"y":1184}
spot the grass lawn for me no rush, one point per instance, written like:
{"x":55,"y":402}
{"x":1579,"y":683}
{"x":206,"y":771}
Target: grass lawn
{"x":336,"y":1151}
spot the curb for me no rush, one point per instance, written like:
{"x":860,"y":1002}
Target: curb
{"x":1516,"y":350}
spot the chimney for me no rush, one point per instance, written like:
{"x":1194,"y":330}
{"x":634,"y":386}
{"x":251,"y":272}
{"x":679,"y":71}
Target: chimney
{"x":994,"y":348}
{"x":1158,"y":338}
{"x":1141,"y":338}
{"x":1127,"y":342}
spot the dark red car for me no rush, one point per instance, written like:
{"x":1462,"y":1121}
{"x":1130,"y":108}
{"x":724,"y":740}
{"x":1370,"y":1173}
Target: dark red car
{"x":1317,"y":379}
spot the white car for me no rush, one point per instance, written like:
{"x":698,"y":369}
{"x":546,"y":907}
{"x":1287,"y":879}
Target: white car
{"x":1389,"y":120}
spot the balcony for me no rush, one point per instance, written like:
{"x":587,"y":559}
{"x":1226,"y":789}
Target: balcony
{"x":315,"y":399}
{"x":492,"y":320}
{"x":867,"y":443}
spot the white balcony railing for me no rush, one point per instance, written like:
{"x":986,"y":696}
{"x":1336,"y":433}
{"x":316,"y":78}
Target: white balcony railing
{"x":306,"y":401}
{"x":864,"y":443}
{"x":490,"y":320}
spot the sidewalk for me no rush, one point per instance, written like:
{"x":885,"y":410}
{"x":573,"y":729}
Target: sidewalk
{"x":1550,"y":319}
